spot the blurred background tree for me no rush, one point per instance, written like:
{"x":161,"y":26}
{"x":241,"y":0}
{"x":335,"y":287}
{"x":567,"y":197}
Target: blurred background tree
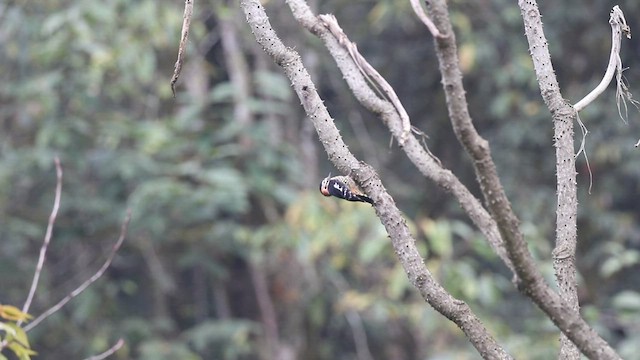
{"x":232,"y":253}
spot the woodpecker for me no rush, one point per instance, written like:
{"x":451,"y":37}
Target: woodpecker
{"x":343,"y":187}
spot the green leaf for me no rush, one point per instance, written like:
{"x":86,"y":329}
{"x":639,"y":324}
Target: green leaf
{"x":370,"y":249}
{"x":234,"y":334}
{"x":397,"y":283}
{"x":627,"y":300}
{"x":8,"y":329}
{"x":620,"y":260}
{"x":22,"y":352}
{"x":19,"y":336}
{"x":222,"y":92}
{"x":440,"y":236}
{"x":273,"y":84}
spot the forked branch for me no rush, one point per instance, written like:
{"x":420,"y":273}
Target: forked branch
{"x":88,"y":282}
{"x":568,"y":318}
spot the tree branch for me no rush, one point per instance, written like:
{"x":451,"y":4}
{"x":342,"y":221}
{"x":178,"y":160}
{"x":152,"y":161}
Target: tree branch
{"x":88,"y":282}
{"x":186,"y":24}
{"x":390,"y":216}
{"x":110,"y":351}
{"x":478,"y":149}
{"x":567,"y":203}
{"x":47,"y":238}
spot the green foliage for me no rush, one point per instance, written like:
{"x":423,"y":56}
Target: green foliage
{"x":223,"y":339}
{"x":166,"y":350}
{"x":12,"y":336}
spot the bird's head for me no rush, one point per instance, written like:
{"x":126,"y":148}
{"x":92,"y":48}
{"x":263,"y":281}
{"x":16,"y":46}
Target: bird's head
{"x":324,"y":185}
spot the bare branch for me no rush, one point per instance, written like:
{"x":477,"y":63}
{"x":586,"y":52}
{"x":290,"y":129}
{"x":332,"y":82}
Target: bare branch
{"x":618,"y":27}
{"x":390,"y":216}
{"x":108,"y":352}
{"x":561,"y":308}
{"x":567,"y":201}
{"x":47,"y":238}
{"x":186,"y":23}
{"x":479,"y":150}
{"x":88,"y":282}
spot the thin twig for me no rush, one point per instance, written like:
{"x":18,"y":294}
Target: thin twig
{"x":618,"y":26}
{"x":186,"y":23}
{"x":109,"y":352}
{"x":422,"y":15}
{"x":623,"y":94}
{"x":583,"y":149}
{"x":88,"y":282}
{"x":47,"y":238}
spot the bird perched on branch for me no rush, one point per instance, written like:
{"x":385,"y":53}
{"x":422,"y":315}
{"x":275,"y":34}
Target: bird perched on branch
{"x":343,"y":187}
